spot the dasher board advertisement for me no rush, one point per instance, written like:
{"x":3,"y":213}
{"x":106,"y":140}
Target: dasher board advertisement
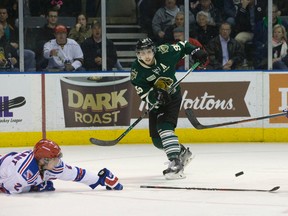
{"x":278,"y":100}
{"x":109,"y":100}
{"x":20,"y":103}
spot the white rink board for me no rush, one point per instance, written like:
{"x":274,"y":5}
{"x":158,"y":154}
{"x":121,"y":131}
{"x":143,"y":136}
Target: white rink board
{"x":253,"y":98}
{"x":27,"y":116}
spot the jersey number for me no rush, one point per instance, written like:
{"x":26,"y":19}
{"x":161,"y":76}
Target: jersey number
{"x":176,"y":47}
{"x":139,"y":90}
{"x":17,"y":186}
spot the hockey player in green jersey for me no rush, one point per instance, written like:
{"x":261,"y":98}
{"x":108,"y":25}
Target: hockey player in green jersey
{"x":152,"y":74}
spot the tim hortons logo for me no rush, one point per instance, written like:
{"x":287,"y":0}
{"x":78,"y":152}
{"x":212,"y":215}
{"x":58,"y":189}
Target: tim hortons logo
{"x":206,"y":102}
{"x":213,"y":99}
{"x":278,"y":96}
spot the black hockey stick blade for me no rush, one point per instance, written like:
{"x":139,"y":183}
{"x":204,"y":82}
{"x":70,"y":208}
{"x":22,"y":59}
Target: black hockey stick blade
{"x":192,"y":118}
{"x":103,"y":142}
{"x":114,"y":142}
{"x":211,"y":189}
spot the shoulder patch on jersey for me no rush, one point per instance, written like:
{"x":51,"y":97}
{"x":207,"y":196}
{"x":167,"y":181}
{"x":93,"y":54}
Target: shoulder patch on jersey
{"x":151,"y":78}
{"x":28,"y":174}
{"x":28,"y":167}
{"x":163,"y":48}
{"x":133,"y":74}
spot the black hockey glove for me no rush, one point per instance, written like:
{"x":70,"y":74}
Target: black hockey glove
{"x":199,"y":55}
{"x":162,"y":96}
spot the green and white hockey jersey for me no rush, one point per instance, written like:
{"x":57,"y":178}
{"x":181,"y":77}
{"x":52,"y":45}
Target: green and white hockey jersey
{"x":162,"y":73}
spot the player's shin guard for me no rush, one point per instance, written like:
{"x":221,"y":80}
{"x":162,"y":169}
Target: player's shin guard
{"x":170,"y":143}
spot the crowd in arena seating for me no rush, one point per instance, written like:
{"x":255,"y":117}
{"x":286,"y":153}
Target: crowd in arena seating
{"x":233,"y":32}
{"x":245,"y":19}
{"x":56,"y":47}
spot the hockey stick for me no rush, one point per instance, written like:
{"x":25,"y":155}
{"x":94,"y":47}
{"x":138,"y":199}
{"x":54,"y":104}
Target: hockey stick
{"x":114,"y":142}
{"x":192,"y":118}
{"x":211,"y":189}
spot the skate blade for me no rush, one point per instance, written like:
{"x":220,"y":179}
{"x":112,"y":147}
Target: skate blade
{"x":175,"y":176}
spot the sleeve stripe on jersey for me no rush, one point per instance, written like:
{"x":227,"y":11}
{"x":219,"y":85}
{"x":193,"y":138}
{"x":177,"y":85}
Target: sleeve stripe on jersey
{"x":26,"y":163}
{"x":80,"y":174}
{"x":58,"y":169}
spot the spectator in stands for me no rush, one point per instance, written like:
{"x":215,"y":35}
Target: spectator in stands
{"x":63,"y":54}
{"x":38,"y":7}
{"x":279,"y":43}
{"x":207,"y":6}
{"x":225,"y":53}
{"x":204,"y":32}
{"x":164,"y":17}
{"x":218,"y":4}
{"x":193,"y":4}
{"x":8,"y":54}
{"x":260,"y":9}
{"x":56,"y":4}
{"x":11,"y":35}
{"x":146,"y":11}
{"x":245,"y":22}
{"x":12,"y":12}
{"x":92,"y":49}
{"x":179,"y":22}
{"x":283,"y":6}
{"x":81,"y":31}
{"x":260,"y":39}
{"x":230,"y":10}
{"x":45,"y":34}
{"x":64,"y":7}
{"x":178,"y":35}
{"x":68,"y":8}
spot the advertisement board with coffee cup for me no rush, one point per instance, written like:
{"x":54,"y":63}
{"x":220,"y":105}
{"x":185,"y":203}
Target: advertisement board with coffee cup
{"x":92,"y":101}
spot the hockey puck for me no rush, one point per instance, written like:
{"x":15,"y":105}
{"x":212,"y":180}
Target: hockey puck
{"x":239,"y":173}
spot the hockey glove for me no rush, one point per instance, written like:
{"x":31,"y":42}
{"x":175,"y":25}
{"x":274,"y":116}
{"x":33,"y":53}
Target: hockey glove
{"x":44,"y":186}
{"x":162,"y":96}
{"x":106,"y":178}
{"x":199,"y":55}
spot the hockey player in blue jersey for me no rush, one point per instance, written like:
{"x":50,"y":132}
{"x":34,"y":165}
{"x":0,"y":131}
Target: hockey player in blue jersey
{"x":34,"y":170}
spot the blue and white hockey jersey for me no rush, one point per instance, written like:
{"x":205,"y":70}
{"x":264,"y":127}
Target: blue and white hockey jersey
{"x":20,"y":171}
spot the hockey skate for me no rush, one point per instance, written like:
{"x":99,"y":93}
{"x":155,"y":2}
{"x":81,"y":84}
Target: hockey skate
{"x":185,"y":155}
{"x":174,"y":170}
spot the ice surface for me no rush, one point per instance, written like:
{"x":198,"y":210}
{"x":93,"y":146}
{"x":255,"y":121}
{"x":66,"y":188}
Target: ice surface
{"x":215,"y":165}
